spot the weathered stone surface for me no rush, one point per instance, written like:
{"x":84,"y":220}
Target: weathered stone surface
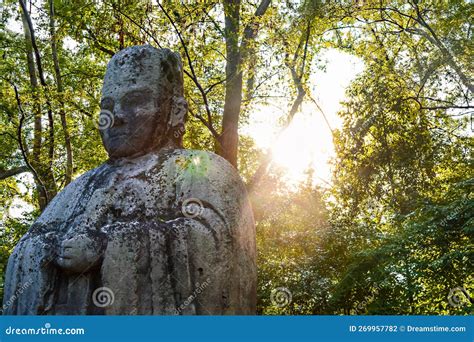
{"x":156,"y":230}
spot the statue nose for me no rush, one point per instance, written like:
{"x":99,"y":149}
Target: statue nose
{"x":119,"y":118}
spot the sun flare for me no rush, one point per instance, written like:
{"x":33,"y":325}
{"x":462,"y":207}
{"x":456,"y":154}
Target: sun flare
{"x":307,"y":141}
{"x":305,"y":144}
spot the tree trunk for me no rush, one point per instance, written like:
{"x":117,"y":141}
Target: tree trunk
{"x":59,"y":86}
{"x":229,"y":139}
{"x":45,"y":170}
{"x":38,"y":128}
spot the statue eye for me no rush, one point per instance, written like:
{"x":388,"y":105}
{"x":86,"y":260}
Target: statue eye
{"x":107,"y":104}
{"x":136,"y":100}
{"x":132,"y":100}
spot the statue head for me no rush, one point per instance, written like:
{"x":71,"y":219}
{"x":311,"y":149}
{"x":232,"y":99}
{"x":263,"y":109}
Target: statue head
{"x":142,"y":106}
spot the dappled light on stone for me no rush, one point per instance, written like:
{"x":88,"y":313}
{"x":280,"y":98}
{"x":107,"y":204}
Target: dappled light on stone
{"x":155,"y":230}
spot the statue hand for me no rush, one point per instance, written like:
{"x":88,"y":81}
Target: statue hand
{"x":78,"y":254}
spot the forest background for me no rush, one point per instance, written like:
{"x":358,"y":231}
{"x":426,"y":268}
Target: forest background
{"x":390,"y":229}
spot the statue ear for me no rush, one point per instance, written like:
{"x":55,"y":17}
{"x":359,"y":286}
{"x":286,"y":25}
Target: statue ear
{"x":179,"y":109}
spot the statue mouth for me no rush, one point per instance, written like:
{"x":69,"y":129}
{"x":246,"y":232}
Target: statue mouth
{"x":120,"y":134}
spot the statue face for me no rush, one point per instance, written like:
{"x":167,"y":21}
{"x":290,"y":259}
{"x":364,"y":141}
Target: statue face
{"x":130,"y":112}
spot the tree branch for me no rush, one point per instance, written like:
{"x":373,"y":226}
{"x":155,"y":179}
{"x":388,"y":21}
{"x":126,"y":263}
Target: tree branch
{"x":297,"y":80}
{"x":444,"y":50}
{"x":22,"y":147}
{"x":13,"y":172}
{"x":137,"y":24}
{"x":42,"y":81}
{"x":191,"y":75}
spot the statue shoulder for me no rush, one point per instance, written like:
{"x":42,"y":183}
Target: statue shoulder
{"x":64,"y":202}
{"x":203,"y":167}
{"x":81,"y":182}
{"x":212,"y":182}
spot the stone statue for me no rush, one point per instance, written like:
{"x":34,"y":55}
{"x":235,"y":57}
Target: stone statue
{"x":155,"y":230}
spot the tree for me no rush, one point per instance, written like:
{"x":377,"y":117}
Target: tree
{"x":400,"y":155}
{"x":392,"y":234}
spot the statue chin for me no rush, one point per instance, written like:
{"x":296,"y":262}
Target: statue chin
{"x":122,"y":148}
{"x":115,"y":153}
{"x":127,"y":152}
